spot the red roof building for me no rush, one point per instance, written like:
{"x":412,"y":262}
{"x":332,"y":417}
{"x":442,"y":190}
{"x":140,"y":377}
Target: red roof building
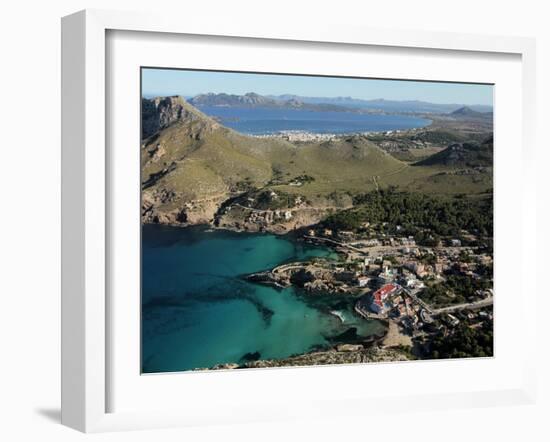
{"x":380,"y":295}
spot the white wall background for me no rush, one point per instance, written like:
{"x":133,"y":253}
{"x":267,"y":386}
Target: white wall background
{"x":30,"y":214}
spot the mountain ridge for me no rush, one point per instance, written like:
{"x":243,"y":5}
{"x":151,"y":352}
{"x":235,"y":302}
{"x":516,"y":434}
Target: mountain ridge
{"x":388,"y":105}
{"x":252,"y":100}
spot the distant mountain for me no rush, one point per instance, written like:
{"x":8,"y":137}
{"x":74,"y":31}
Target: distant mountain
{"x":334,"y":104}
{"x":384,"y":105}
{"x":253,"y":100}
{"x":468,"y":112}
{"x":250,"y":99}
{"x":463,"y":155}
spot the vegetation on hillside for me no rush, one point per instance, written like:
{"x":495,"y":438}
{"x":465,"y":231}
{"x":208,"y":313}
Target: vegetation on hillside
{"x":464,"y":155}
{"x":456,"y":289}
{"x":464,"y":342}
{"x":441,"y":215}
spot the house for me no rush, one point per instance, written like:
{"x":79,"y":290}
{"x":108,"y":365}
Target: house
{"x":386,"y":276}
{"x":455,"y":243}
{"x":453,"y":320}
{"x":408,"y":241}
{"x":379,"y":297}
{"x":345,"y":234}
{"x":371,"y":242}
{"x":416,"y":267}
{"x":363,"y":281}
{"x":409,"y":281}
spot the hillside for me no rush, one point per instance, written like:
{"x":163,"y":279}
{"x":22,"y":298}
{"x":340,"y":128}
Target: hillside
{"x":194,"y":170}
{"x":463,"y":155}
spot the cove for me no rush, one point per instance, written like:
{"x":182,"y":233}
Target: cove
{"x":197,"y":311}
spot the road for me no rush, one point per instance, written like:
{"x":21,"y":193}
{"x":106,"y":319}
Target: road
{"x":332,"y":241}
{"x":418,"y":300}
{"x":467,"y":306}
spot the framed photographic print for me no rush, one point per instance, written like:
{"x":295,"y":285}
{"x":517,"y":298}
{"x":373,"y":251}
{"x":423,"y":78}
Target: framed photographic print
{"x":259,"y":225}
{"x":284,"y":228}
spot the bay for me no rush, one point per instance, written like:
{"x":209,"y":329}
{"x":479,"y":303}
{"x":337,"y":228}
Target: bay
{"x":266,"y":121}
{"x":197,"y":311}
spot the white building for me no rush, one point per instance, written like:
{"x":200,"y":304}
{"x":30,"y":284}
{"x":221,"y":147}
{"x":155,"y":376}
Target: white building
{"x":363,"y":281}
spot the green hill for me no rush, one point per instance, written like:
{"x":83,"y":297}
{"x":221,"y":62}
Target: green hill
{"x":466,"y":112}
{"x":463,"y":155}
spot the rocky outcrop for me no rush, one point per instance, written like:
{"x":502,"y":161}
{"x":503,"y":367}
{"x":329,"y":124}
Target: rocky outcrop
{"x":349,"y":354}
{"x":160,"y":112}
{"x":342,"y":354}
{"x":229,"y":366}
{"x":162,"y":206}
{"x":349,"y":348}
{"x":274,"y":221}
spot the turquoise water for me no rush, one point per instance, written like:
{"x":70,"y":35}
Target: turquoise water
{"x":197,"y":312}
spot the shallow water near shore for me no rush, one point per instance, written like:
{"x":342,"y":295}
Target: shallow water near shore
{"x":197,"y":311}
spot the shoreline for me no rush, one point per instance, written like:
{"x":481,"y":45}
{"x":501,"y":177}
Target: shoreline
{"x":337,"y":355}
{"x":306,"y":135}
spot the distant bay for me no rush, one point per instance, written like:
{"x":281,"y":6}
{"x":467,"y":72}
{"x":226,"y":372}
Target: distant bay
{"x":197,"y":311}
{"x":267,"y":121}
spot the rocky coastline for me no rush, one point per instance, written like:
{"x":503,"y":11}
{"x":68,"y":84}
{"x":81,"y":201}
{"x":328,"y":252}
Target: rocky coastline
{"x":341,"y":354}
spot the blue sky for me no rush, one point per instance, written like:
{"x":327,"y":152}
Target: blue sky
{"x":160,"y":82}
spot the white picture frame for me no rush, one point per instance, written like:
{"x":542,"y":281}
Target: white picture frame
{"x":86,"y":356}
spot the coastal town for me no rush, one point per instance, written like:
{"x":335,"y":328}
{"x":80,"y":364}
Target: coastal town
{"x":301,"y":136}
{"x":394,"y":280}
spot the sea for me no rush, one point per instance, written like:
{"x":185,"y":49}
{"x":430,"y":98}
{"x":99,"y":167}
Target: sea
{"x":198,"y":311}
{"x":267,"y":121}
